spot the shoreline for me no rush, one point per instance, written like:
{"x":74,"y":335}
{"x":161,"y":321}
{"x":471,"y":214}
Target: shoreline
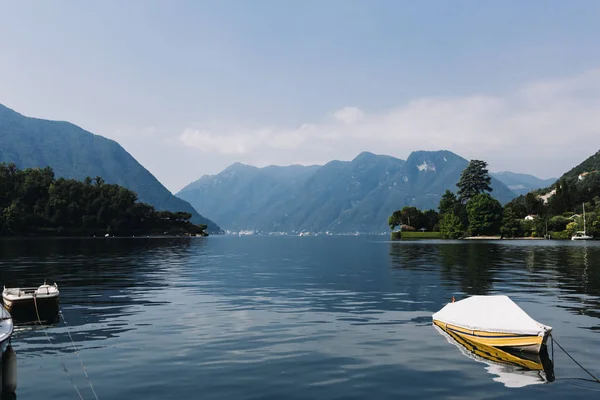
{"x":28,"y":237}
{"x":502,"y":238}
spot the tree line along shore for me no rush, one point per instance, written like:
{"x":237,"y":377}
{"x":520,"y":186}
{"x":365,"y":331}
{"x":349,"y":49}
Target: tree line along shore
{"x":35,"y":203}
{"x":472,"y":212}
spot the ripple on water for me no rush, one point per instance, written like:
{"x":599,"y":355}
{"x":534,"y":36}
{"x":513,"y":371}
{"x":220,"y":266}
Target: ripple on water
{"x":269,"y":317}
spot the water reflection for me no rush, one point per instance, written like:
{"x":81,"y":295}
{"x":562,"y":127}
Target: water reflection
{"x":276,"y":317}
{"x":571,"y":271}
{"x":103,"y":282}
{"x":512,"y":369}
{"x":468,"y":265}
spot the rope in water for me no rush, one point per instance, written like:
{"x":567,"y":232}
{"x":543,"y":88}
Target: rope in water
{"x":62,"y":364}
{"x":574,"y":360}
{"x":77,"y":352}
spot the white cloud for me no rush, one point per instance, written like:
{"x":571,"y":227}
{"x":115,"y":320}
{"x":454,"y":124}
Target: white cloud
{"x":243,"y":141}
{"x":348,"y":115}
{"x":544,"y":127}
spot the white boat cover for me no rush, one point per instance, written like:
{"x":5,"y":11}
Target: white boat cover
{"x":490,"y":314}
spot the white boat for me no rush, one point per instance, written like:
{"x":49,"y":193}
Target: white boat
{"x":581,"y":235}
{"x":32,"y":304}
{"x":6,"y":329}
{"x":494,"y":321}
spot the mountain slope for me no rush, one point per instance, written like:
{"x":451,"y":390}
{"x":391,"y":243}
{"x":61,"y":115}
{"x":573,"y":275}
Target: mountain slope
{"x":340,"y":196}
{"x":591,"y":165}
{"x":75,"y":153}
{"x":522,"y":183}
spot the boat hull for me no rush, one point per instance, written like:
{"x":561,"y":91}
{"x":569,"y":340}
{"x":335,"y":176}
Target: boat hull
{"x":6,"y":329}
{"x":527,"y":343}
{"x":24,"y":310}
{"x":4,"y":344}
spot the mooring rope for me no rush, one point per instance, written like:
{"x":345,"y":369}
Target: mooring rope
{"x":77,"y":352}
{"x":62,"y":364}
{"x":574,"y":360}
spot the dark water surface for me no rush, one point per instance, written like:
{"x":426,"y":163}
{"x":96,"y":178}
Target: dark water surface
{"x":292,"y":317}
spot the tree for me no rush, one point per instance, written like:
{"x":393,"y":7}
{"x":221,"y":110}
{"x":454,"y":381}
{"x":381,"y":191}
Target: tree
{"x":412,"y":216}
{"x":485,"y":215}
{"x":518,"y":207}
{"x":395,"y":219}
{"x":448,"y":202}
{"x":408,"y":216}
{"x":474,"y":180}
{"x":33,"y":201}
{"x":558,"y":223}
{"x":450,"y":226}
{"x":431,"y":220}
{"x":511,"y":224}
{"x":533,"y":204}
{"x":571,"y":228}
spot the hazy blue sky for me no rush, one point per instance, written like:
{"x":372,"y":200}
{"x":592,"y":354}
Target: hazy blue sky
{"x":189,"y":87}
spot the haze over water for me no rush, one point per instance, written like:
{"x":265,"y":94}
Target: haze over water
{"x":345,"y":317}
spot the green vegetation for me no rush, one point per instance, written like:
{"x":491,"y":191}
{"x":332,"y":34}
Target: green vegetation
{"x":562,"y":215}
{"x":411,"y":218}
{"x":74,"y":153}
{"x":485,"y":215}
{"x":474,"y":212}
{"x":421,"y":235}
{"x":33,"y":202}
{"x":451,"y":227}
{"x":474,"y":180}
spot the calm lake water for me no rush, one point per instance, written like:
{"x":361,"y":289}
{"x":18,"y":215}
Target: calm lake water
{"x":292,"y":317}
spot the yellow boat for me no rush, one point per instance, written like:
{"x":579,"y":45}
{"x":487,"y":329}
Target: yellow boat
{"x":494,"y":321}
{"x":513,"y":369}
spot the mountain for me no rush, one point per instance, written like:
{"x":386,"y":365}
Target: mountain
{"x":75,"y":153}
{"x":565,"y":196}
{"x":522,"y":183}
{"x":340,"y":196}
{"x":241,"y":194}
{"x":591,"y":165}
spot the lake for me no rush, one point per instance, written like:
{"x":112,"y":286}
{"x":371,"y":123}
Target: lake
{"x":268,"y":317}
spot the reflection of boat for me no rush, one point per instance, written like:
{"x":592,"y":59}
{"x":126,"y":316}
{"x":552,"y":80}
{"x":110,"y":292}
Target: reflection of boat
{"x":513,"y":369}
{"x":31,"y":304}
{"x":581,"y":235}
{"x":493,"y":321}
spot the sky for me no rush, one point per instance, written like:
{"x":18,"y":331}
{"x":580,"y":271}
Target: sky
{"x":190,"y":87}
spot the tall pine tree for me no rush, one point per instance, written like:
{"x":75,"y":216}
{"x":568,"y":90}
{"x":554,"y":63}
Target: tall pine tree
{"x":474,"y":180}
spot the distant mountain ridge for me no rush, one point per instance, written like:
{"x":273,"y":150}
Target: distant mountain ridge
{"x":522,"y":183}
{"x":340,"y":196}
{"x":73,"y":152}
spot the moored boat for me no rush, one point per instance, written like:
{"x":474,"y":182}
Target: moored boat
{"x":494,"y":321}
{"x":6,"y":329}
{"x":582,"y":235}
{"x":32,"y":304}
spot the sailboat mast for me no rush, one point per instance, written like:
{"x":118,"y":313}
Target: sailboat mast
{"x":584,"y":218}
